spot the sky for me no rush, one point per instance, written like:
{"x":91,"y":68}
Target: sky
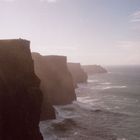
{"x":105,"y":32}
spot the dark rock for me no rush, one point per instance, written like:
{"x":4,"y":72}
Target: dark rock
{"x":78,"y":74}
{"x":56,"y":80}
{"x":47,"y":112}
{"x":93,"y":69}
{"x":20,"y":95}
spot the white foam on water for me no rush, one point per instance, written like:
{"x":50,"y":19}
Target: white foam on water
{"x":82,"y":98}
{"x":110,"y":87}
{"x":106,"y":83}
{"x":66,"y":111}
{"x":86,"y":100}
{"x":91,"y":81}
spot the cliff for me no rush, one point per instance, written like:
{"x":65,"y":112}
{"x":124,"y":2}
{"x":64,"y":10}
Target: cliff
{"x":20,"y":96}
{"x":78,"y":74}
{"x":56,"y":80}
{"x":47,"y":111}
{"x":94,"y":69}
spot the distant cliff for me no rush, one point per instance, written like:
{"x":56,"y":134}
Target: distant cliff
{"x":20,"y":96}
{"x":78,"y":74}
{"x":93,"y":69}
{"x":56,"y":80}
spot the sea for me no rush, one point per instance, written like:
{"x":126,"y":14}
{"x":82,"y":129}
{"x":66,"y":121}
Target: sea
{"x":107,"y":108}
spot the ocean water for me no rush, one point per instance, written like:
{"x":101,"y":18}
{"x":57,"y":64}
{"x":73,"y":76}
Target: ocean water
{"x":107,"y":108}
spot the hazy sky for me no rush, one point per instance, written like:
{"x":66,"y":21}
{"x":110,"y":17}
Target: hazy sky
{"x":87,"y":31}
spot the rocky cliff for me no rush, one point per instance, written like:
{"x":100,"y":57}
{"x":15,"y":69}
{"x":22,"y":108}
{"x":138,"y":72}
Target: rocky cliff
{"x":94,"y":69}
{"x":78,"y":74}
{"x":47,"y":111}
{"x":56,"y":80}
{"x":20,"y":96}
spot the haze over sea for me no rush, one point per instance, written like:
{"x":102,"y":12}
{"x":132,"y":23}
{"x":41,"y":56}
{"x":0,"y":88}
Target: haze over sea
{"x":108,"y":108}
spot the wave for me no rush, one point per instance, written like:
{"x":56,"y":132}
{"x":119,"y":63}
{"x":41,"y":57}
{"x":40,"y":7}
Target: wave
{"x":97,"y":109}
{"x":92,"y":81}
{"x":103,"y":87}
{"x":87,"y":101}
{"x":106,"y":83}
{"x":111,"y":87}
{"x":66,"y":111}
{"x":79,"y":121}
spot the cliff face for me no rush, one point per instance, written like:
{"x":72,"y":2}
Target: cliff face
{"x":56,"y":80}
{"x":47,"y":111}
{"x":94,"y":69}
{"x":78,"y":74}
{"x":20,"y":96}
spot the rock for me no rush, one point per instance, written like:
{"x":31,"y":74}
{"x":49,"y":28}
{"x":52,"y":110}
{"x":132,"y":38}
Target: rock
{"x":56,"y":80}
{"x":47,"y":110}
{"x":20,"y":95}
{"x":93,"y":69}
{"x":78,"y":74}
